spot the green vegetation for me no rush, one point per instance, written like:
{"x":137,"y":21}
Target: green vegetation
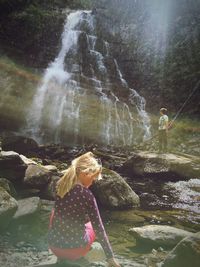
{"x":12,"y":66}
{"x":185,"y":133}
{"x":9,"y":6}
{"x":17,"y":84}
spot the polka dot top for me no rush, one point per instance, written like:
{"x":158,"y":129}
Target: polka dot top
{"x":71,"y":213}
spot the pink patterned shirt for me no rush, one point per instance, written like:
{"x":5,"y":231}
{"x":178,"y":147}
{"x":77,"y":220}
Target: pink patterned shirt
{"x":72,"y":211}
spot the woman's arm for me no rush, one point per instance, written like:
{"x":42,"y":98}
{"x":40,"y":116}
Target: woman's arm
{"x":95,"y":218}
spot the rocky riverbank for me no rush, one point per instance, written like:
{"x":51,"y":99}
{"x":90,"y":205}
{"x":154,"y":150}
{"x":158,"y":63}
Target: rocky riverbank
{"x":27,"y":201}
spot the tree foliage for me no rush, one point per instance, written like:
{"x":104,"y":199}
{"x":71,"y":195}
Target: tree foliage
{"x":8,"y":6}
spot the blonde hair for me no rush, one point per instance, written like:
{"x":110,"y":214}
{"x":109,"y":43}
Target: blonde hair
{"x":85,"y":163}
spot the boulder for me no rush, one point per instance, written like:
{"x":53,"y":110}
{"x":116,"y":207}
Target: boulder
{"x":8,"y":207}
{"x":186,"y":253}
{"x":37,"y":176}
{"x":27,"y":207}
{"x":12,"y":166}
{"x":159,"y":235}
{"x":113,"y":192}
{"x":51,"y":168}
{"x":8,"y":186}
{"x":19,"y":144}
{"x":26,"y":160}
{"x":96,"y":253}
{"x":143,"y":163}
{"x":9,"y":158}
{"x":48,"y":191}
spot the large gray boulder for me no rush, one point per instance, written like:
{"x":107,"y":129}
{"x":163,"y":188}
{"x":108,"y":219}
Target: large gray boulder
{"x":49,"y":190}
{"x":159,"y":235}
{"x":37,"y":176}
{"x":27,"y":208}
{"x":113,"y":191}
{"x":143,"y":163}
{"x":8,"y":207}
{"x":12,"y":166}
{"x":186,"y":253}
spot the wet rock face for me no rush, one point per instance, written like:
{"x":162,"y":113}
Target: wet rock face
{"x":101,"y":47}
{"x":84,"y":55}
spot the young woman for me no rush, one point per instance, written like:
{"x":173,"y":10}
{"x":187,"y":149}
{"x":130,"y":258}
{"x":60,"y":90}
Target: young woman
{"x":75,"y":220}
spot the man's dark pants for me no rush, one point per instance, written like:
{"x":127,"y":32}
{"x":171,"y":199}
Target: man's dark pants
{"x":162,"y":137}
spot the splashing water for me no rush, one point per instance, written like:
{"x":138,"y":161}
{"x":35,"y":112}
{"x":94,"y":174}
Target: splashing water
{"x":187,"y":193}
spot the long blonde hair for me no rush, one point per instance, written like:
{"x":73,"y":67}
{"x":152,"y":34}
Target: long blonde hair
{"x":85,"y":163}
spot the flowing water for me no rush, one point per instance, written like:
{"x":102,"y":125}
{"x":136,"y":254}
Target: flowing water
{"x":79,"y":100}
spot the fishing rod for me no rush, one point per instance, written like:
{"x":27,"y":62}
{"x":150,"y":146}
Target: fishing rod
{"x":191,"y":94}
{"x":179,"y":111}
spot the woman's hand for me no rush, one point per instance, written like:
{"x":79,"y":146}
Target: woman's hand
{"x":113,"y":263}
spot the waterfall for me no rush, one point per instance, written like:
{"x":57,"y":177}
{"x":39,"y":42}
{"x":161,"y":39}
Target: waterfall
{"x":77,"y":100}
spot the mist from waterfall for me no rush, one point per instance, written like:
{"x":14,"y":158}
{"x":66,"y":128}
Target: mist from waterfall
{"x":76,"y":100}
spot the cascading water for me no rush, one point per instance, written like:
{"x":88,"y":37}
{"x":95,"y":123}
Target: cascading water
{"x":83,"y":96}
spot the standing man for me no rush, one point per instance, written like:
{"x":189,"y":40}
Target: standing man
{"x":162,"y":130}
